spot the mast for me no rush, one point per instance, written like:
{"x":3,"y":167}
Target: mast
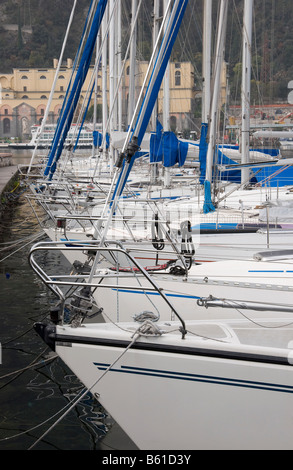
{"x":132,"y":65}
{"x":119,"y":66}
{"x":156,"y":13}
{"x":44,"y":121}
{"x":111,"y":81}
{"x":219,"y":57}
{"x":206,"y":63}
{"x":245,"y":92}
{"x":104,"y":81}
{"x":156,"y":71}
{"x":166,"y":98}
{"x":73,"y":97}
{"x":96,"y":95}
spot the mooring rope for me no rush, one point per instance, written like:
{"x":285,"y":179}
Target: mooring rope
{"x":136,"y":335}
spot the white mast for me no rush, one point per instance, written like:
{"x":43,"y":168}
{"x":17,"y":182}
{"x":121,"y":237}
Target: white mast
{"x":206,"y":84}
{"x":119,"y":66}
{"x":245,"y":92}
{"x":44,"y":121}
{"x":156,"y":13}
{"x":104,"y":79}
{"x":112,"y":80}
{"x":219,"y":57}
{"x":132,"y":65}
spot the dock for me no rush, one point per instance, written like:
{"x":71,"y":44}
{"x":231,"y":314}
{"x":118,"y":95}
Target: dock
{"x":7,"y":170}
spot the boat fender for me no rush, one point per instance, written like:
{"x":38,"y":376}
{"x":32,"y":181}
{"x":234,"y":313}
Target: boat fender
{"x":157,"y":235}
{"x":47,"y":333}
{"x":187,"y":246}
{"x":55,"y":313}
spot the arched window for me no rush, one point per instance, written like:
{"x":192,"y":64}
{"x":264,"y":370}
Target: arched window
{"x":61,"y":97}
{"x":25,"y":97}
{"x":42,"y":77}
{"x":6,"y":126}
{"x":61,"y":77}
{"x":24,"y":77}
{"x":177,"y":78}
{"x":43,"y":97}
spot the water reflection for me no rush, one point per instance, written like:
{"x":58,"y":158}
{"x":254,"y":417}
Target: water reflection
{"x":34,"y":384}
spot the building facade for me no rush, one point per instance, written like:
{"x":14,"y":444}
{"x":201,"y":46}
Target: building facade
{"x":24,"y":96}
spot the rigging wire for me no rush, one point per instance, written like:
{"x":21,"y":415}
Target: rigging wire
{"x":84,"y":392}
{"x":34,"y":238}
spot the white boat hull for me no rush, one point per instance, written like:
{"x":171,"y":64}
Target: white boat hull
{"x":233,"y":283}
{"x":172,"y":393}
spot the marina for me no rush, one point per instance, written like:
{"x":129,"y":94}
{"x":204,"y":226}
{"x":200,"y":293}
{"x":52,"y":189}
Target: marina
{"x":146,"y":276}
{"x":35,"y":386}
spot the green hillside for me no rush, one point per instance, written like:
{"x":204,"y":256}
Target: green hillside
{"x":38,"y":29}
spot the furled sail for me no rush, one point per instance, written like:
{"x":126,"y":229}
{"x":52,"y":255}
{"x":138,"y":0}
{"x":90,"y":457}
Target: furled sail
{"x":151,"y":94}
{"x":74,"y":95}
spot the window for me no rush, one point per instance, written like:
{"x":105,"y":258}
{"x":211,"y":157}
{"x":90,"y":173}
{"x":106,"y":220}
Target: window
{"x":62,"y":88}
{"x":43,"y":97}
{"x":25,"y":97}
{"x":25,"y":88}
{"x":42,"y":77}
{"x":6,"y":111}
{"x":61,"y":97}
{"x":61,"y":77}
{"x":24,"y":77}
{"x":6,"y":126}
{"x":42,"y":112}
{"x":177,"y":78}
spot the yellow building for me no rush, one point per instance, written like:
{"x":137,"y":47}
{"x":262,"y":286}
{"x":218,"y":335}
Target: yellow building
{"x":24,"y":96}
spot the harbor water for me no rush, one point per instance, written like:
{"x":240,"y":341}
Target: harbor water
{"x":36,"y":388}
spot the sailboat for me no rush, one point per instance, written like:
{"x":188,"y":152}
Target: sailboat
{"x":214,"y":383}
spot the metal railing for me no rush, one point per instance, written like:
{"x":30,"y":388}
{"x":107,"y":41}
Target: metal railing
{"x":55,"y":282}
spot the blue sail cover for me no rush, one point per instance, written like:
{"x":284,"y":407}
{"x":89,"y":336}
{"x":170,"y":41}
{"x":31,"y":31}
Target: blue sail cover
{"x":174,"y":151}
{"x":154,"y":85}
{"x":274,"y":176}
{"x":98,"y":139}
{"x":203,"y":149}
{"x":69,"y":109}
{"x":156,"y":144}
{"x":166,"y":148}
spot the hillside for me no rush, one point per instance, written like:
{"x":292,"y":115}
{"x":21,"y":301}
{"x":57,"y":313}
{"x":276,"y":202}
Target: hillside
{"x":32,"y":32}
{"x":48,"y":21}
